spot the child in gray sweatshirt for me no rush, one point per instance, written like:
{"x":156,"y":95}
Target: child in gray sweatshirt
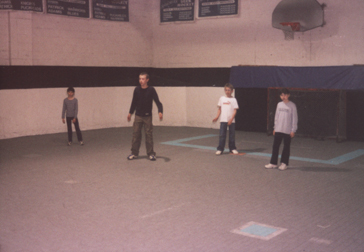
{"x":70,"y":111}
{"x":285,"y":126}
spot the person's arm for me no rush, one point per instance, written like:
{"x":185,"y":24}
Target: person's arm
{"x":294,"y":121}
{"x":275,"y":120}
{"x":64,"y":111}
{"x":159,"y":105}
{"x":232,"y":117}
{"x":235,"y":107}
{"x":218,"y":114}
{"x":132,"y":106}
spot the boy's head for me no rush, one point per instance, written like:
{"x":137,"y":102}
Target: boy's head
{"x":70,"y":91}
{"x":229,"y":89}
{"x":143,"y":79}
{"x":284,"y":94}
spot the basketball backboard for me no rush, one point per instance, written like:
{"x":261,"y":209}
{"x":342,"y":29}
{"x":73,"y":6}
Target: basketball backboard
{"x":297,"y":15}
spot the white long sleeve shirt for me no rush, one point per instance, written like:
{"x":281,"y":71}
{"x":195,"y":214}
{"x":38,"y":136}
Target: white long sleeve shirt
{"x":286,"y":119}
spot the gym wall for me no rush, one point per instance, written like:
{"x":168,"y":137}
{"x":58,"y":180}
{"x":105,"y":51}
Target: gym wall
{"x":37,"y":40}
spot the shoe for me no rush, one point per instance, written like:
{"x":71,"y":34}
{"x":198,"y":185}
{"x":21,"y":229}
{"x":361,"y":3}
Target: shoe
{"x":219,"y":152}
{"x":270,"y":166}
{"x":131,"y":157}
{"x":234,"y":152}
{"x":81,"y":143}
{"x":152,"y":158}
{"x":69,"y":143}
{"x":283,"y":167}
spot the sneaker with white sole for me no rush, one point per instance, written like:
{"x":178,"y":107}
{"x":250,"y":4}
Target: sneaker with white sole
{"x":219,"y":152}
{"x":152,"y":158}
{"x":283,"y":167}
{"x":131,"y":157}
{"x":270,"y":166}
{"x":235,"y":152}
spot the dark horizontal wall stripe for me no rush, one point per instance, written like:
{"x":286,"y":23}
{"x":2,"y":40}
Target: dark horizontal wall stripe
{"x":25,"y":77}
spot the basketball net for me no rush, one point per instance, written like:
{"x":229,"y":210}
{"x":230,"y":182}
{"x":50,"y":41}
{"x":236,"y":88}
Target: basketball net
{"x":289,"y":34}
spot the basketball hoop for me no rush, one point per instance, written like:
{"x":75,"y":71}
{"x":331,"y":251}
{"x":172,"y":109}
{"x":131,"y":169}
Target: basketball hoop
{"x":295,"y":26}
{"x":289,"y":33}
{"x":297,"y":16}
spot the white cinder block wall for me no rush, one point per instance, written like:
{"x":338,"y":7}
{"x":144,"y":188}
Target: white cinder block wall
{"x":31,"y":39}
{"x":38,"y":111}
{"x":249,"y":39}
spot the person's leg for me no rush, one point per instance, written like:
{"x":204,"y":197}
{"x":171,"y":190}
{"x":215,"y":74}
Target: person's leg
{"x":286,"y":149}
{"x":149,"y":135}
{"x":78,"y":131}
{"x":137,"y":135}
{"x":232,"y":145}
{"x":222,"y":136}
{"x":275,"y":152}
{"x":69,"y":128}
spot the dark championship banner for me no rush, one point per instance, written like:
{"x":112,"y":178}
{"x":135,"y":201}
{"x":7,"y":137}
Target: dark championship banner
{"x":26,"y":5}
{"x":113,"y":10}
{"x":76,"y":8}
{"x":213,"y":8}
{"x":177,"y":10}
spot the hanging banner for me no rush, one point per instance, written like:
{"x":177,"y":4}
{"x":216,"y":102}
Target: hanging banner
{"x":177,"y":10}
{"x":25,"y":5}
{"x":76,"y":8}
{"x":113,"y":10}
{"x":213,"y":8}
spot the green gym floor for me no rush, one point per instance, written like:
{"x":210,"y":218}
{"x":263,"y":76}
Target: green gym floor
{"x":90,"y":198}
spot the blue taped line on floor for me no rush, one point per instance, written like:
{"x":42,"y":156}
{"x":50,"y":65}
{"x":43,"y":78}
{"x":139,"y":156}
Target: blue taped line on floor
{"x":334,"y":161}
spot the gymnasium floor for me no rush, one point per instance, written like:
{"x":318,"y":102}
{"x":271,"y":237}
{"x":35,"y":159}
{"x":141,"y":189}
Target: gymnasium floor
{"x":90,"y":198}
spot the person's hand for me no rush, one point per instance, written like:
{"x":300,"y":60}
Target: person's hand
{"x":129,"y":117}
{"x":74,"y":120}
{"x":230,"y":122}
{"x":292,"y":134}
{"x":63,"y":120}
{"x":160,"y":116}
{"x":274,"y":132}
{"x":215,"y":119}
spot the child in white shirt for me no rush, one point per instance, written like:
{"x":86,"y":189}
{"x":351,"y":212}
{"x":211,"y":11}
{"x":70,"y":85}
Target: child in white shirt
{"x":228,"y":106}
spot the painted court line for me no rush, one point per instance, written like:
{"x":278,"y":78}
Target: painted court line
{"x":320,"y":241}
{"x":334,"y":161}
{"x":161,"y":211}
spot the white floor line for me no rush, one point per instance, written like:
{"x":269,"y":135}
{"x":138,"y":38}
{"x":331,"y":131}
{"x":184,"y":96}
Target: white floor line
{"x":161,"y":211}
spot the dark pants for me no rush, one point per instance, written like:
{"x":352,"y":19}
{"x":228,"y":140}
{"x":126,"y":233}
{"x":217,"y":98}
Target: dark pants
{"x":278,"y":137}
{"x":222,"y":136}
{"x":69,"y":128}
{"x":139,"y":122}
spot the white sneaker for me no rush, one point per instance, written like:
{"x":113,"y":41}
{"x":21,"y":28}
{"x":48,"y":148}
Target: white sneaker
{"x":218,"y":152}
{"x":235,"y":152}
{"x":131,"y":157}
{"x":270,"y":166}
{"x":282,"y":167}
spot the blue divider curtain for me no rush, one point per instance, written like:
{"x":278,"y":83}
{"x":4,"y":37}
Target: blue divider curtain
{"x":331,"y":77}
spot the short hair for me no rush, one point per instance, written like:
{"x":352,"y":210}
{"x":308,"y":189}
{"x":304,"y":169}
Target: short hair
{"x":229,"y":85}
{"x":70,"y":89}
{"x":144,"y":73}
{"x":283,"y":91}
